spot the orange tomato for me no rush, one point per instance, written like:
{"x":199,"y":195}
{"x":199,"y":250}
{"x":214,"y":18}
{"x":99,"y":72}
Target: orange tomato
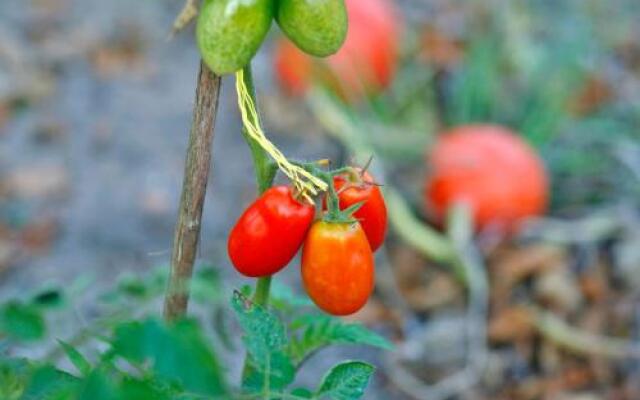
{"x":337,"y":267}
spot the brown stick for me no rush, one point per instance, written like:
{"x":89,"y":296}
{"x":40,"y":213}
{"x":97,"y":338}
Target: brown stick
{"x":194,"y":187}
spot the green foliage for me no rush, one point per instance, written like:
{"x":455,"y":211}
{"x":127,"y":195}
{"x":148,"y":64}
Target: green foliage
{"x":21,"y":321}
{"x":345,"y":381}
{"x":313,"y":332}
{"x":177,"y":352}
{"x":265,"y":339}
{"x":13,"y":375}
{"x":76,"y":358}
{"x":146,"y":358}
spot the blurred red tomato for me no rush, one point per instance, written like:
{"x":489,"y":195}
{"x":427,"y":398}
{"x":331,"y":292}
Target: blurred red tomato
{"x":499,"y":175}
{"x":365,"y":64}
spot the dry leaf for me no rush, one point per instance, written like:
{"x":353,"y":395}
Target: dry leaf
{"x":511,"y":324}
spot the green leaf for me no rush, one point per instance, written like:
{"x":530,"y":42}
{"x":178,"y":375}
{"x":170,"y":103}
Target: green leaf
{"x":140,"y":389}
{"x":100,"y":385}
{"x":315,"y":331}
{"x":179,"y":352}
{"x":264,"y":332}
{"x":346,"y":381}
{"x":14,"y":374}
{"x":97,"y":386}
{"x":77,"y":359}
{"x":302,"y":393}
{"x":21,"y":322}
{"x":276,"y":372}
{"x":265,"y":339}
{"x":48,"y":383}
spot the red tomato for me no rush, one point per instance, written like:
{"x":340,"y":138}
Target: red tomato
{"x":366,"y":63}
{"x":373,"y":213}
{"x":269,"y":233}
{"x":337,"y":267}
{"x":492,"y":169}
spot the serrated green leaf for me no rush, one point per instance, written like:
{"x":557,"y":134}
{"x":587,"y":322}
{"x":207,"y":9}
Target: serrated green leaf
{"x":264,"y":332}
{"x":273,"y":373}
{"x":178,"y":352}
{"x":77,"y":359}
{"x":265,"y":338}
{"x":315,"y":331}
{"x":346,"y":381}
{"x":21,"y":321}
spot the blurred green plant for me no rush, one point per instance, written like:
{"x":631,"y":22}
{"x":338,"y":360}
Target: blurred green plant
{"x":128,"y":352}
{"x":524,"y":67}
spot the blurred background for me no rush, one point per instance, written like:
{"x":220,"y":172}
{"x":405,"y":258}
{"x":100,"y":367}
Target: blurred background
{"x":95,"y":108}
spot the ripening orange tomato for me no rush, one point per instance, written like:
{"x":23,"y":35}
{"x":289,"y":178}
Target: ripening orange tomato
{"x":337,"y":267}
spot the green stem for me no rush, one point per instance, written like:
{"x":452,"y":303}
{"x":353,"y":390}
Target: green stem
{"x":333,"y":202}
{"x":263,"y":286}
{"x":265,"y":170}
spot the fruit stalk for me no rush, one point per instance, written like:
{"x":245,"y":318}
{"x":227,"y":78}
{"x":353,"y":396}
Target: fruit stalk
{"x":194,"y":187}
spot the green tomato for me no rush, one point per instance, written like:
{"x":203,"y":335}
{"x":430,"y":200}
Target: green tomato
{"x":317,"y":27}
{"x":230,"y":32}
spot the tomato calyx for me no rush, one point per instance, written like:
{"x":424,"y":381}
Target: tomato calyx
{"x":334,"y":214}
{"x":354,"y":177}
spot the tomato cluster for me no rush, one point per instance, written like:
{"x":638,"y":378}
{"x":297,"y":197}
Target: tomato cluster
{"x":230,"y":32}
{"x":337,"y":248}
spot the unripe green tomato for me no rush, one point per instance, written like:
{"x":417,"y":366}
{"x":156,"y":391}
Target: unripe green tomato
{"x":317,"y":27}
{"x":230,"y":32}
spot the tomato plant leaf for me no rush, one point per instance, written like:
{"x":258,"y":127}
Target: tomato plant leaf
{"x":302,"y":393}
{"x":277,"y":373}
{"x":315,"y":331}
{"x":102,"y":386}
{"x":178,"y":351}
{"x":265,"y":338}
{"x":14,"y":374}
{"x":48,"y":383}
{"x":76,"y":358}
{"x":21,"y":321}
{"x":346,"y":381}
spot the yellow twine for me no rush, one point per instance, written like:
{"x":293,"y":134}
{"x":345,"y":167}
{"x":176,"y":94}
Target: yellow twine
{"x":303,"y":181}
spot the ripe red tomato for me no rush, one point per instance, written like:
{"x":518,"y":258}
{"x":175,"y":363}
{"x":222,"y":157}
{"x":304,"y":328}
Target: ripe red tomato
{"x":366,"y":63}
{"x":337,"y":267}
{"x":269,"y":233}
{"x":373,"y":213}
{"x":492,"y":169}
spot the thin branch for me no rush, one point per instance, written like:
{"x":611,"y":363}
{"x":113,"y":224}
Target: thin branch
{"x":194,"y":187}
{"x":578,"y":341}
{"x":185,"y":16}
